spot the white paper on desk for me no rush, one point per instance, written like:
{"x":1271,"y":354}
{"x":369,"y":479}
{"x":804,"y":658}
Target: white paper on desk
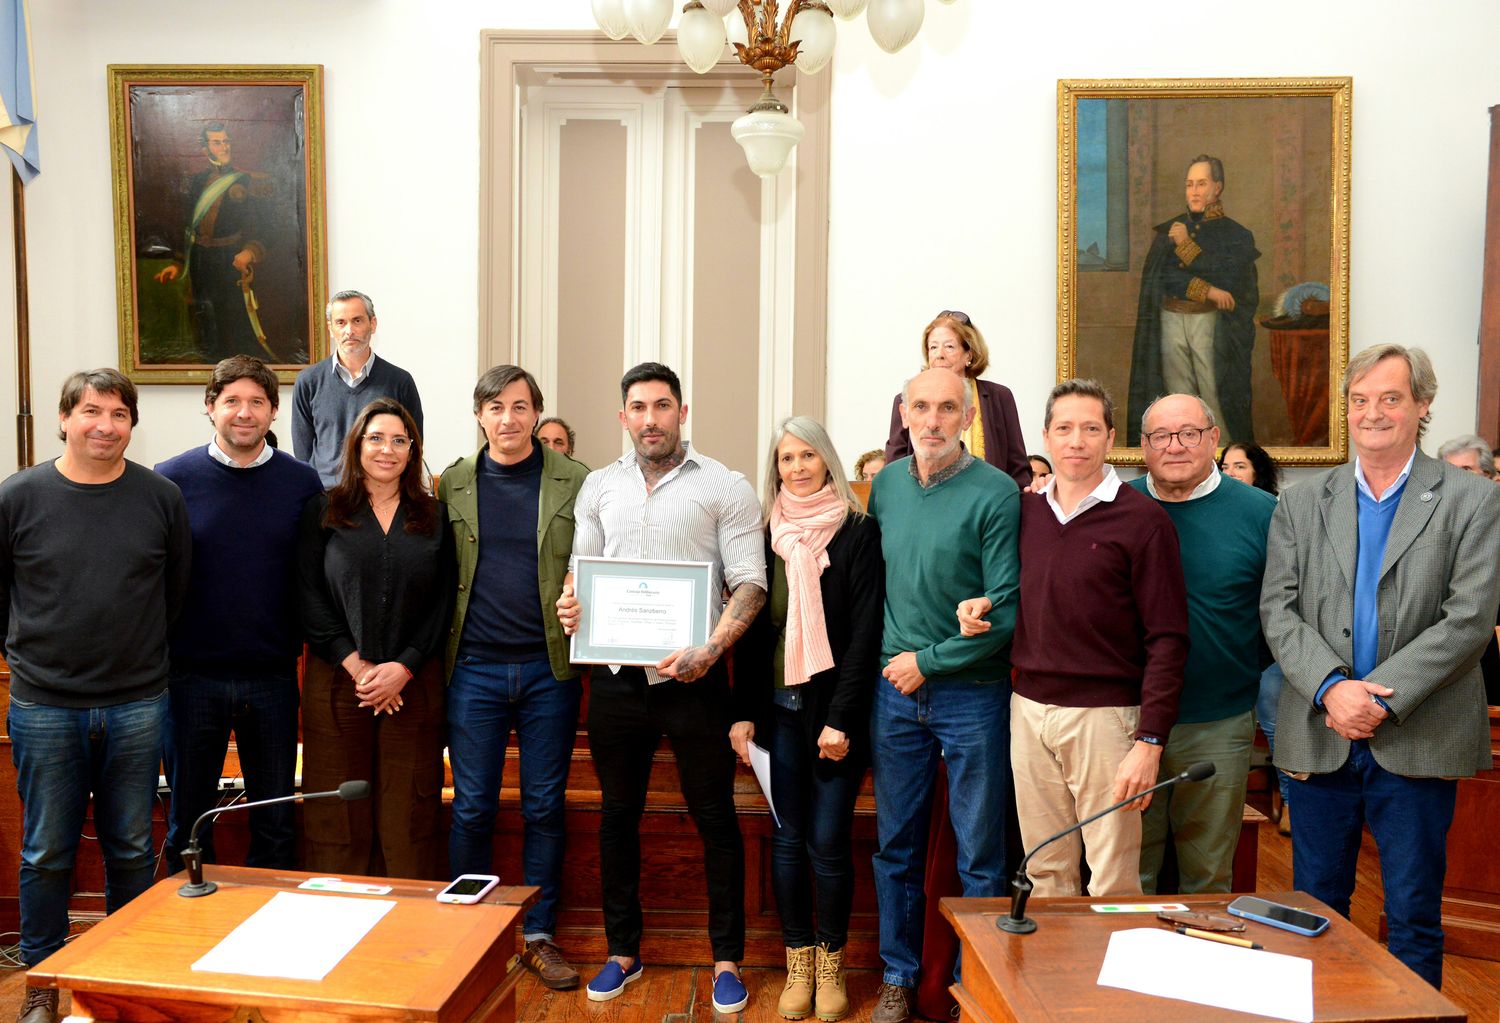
{"x":296,"y":936}
{"x":1157,"y":962}
{"x":760,"y":763}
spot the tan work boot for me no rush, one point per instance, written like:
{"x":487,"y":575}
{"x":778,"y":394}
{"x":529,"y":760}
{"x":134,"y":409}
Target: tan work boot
{"x":797,"y":997}
{"x":831,"y":998}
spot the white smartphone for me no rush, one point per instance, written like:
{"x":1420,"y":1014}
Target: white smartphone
{"x":467,"y":889}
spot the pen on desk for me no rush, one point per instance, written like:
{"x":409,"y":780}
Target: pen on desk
{"x":1223,"y":939}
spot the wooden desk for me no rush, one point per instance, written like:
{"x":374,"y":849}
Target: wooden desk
{"x":1052,"y":974}
{"x":423,"y":961}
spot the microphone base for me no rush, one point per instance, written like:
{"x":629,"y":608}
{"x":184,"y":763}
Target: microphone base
{"x":1025,"y":925}
{"x":198,"y":889}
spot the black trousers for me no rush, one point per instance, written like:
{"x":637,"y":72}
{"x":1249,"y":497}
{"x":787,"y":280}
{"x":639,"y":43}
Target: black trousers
{"x":627,"y":719}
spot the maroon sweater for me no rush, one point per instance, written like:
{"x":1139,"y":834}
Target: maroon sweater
{"x":1103,"y":619}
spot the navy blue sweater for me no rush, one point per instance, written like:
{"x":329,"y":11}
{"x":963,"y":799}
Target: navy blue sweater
{"x":241,"y":611}
{"x":504,"y":621}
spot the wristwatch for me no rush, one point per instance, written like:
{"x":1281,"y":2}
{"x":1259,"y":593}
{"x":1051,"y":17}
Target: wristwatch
{"x":1151,"y":739}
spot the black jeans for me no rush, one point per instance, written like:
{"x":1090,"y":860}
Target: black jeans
{"x":627,"y":719}
{"x":810,"y":851}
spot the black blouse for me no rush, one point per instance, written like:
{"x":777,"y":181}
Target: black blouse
{"x":388,"y":596}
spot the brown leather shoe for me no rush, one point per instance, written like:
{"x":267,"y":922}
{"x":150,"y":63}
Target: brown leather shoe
{"x":892,"y":1005}
{"x":545,"y":959}
{"x":40,"y":1006}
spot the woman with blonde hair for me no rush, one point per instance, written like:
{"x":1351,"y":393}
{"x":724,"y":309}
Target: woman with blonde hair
{"x":951,"y":341}
{"x":805,"y":673}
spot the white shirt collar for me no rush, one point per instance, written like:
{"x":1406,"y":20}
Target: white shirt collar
{"x":1208,"y":486}
{"x":217,"y":454}
{"x":1364,"y":485}
{"x":350,"y":378}
{"x":1107,"y":489}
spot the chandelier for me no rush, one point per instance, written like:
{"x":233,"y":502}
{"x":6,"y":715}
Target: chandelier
{"x":767,"y":39}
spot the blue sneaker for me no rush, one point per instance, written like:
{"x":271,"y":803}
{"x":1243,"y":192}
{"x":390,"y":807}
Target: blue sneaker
{"x":729,"y":993}
{"x":610,"y":981}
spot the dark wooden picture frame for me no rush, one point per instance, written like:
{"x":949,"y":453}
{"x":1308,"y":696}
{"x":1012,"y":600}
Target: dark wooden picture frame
{"x":220,"y":226}
{"x":1271,"y":352}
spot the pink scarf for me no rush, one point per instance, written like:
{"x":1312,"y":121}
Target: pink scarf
{"x":800,"y":530}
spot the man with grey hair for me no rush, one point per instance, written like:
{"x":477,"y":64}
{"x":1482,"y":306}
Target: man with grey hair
{"x":1221,"y":533}
{"x":948,"y":525}
{"x":328,"y":395}
{"x":1379,"y":595}
{"x":1469,"y":451}
{"x":1195,"y":323}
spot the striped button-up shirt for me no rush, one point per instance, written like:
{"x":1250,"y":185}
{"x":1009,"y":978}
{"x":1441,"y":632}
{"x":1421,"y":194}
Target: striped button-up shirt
{"x":700,"y":511}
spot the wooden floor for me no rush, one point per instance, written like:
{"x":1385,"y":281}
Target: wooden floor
{"x":683,"y":994}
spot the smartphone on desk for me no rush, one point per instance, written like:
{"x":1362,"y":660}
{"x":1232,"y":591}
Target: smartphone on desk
{"x":1298,"y":921}
{"x":467,"y":889}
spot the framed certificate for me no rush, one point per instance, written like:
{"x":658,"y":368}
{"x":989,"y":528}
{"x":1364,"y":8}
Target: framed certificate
{"x":637,"y":612}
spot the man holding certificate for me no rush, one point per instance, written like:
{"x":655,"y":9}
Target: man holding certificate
{"x":665,"y":502}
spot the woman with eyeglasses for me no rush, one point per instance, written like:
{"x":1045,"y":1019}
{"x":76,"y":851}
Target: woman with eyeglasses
{"x":804,"y":676}
{"x":376,"y":578}
{"x":951,"y":341}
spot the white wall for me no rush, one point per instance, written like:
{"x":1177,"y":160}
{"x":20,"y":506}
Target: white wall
{"x":944,"y":174}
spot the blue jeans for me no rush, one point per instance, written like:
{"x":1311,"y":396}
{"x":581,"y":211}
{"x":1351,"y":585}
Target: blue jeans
{"x":1409,"y":818}
{"x":485,"y":701}
{"x":968,"y":724}
{"x":1271,"y":681}
{"x":262,"y":712}
{"x":62,"y":754}
{"x":811,"y":850}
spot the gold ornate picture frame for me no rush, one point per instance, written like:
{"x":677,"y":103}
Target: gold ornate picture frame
{"x":1247,"y":301}
{"x":220,"y":237}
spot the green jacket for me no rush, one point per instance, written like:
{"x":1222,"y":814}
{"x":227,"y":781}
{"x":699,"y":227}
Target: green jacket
{"x":561,"y":479}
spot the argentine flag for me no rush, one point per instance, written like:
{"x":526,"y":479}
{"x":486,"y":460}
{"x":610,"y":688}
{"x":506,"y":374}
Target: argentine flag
{"x":18,"y":131}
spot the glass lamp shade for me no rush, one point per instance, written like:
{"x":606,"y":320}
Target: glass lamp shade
{"x":609,"y":15}
{"x":735,"y":27}
{"x":847,"y":9}
{"x":719,"y":8}
{"x":648,"y":19}
{"x":893,"y":23}
{"x":700,"y":37}
{"x":767,"y":137}
{"x":814,"y":31}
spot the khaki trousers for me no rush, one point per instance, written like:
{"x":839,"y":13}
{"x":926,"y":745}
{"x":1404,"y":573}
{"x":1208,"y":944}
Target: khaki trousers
{"x":1064,"y":760}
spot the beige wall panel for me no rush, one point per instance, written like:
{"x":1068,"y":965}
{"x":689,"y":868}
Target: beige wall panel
{"x":724,"y":408}
{"x":590,"y":285}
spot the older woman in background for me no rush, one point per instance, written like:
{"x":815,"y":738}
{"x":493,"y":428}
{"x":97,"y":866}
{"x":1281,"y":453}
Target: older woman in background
{"x":1253,"y":465}
{"x":376,"y":571}
{"x":804,"y":676}
{"x":951,"y":341}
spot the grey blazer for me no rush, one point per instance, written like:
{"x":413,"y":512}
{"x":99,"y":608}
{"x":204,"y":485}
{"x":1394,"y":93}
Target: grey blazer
{"x":1439,"y":584}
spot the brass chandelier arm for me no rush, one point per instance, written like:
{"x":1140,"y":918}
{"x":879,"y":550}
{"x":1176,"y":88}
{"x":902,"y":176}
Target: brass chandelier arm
{"x":771,"y":46}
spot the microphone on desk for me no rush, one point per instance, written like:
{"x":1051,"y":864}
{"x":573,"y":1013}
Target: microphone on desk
{"x":192,"y":856}
{"x":1016,"y":922}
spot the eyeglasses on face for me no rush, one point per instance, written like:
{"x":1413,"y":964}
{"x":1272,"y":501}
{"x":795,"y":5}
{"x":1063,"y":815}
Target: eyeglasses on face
{"x":380,"y":440}
{"x":1189,"y":436}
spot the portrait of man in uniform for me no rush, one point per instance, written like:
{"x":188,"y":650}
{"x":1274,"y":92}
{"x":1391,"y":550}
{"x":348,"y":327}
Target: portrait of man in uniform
{"x":220,"y":225}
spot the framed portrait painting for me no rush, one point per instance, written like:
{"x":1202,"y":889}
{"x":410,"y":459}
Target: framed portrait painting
{"x":1203,"y":247}
{"x":219,"y":217}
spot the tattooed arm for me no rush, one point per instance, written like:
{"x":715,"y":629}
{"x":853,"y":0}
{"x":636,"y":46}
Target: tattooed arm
{"x":691,"y":663}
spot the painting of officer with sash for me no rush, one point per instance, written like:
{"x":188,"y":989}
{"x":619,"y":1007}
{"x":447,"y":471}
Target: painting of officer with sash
{"x":220,"y":223}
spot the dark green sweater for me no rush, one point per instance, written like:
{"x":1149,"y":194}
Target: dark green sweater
{"x":1223,"y":542}
{"x":942,"y":545}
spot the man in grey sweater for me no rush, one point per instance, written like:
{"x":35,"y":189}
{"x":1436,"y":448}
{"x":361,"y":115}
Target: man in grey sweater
{"x":94,"y":554}
{"x":328,"y":395}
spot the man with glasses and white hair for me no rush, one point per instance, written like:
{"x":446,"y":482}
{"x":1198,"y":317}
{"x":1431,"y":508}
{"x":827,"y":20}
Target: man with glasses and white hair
{"x":329,"y":395}
{"x":1221,"y":533}
{"x":1380,"y":593}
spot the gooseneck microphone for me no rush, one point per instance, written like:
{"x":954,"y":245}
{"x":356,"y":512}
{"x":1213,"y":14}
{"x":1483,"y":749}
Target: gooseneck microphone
{"x":1017,"y":922}
{"x":192,"y":856}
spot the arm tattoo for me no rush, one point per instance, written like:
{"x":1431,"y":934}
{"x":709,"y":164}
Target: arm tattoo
{"x":744,"y":604}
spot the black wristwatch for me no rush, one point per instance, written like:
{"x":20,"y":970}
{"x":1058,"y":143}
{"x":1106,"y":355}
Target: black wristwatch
{"x":1153,"y":740}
